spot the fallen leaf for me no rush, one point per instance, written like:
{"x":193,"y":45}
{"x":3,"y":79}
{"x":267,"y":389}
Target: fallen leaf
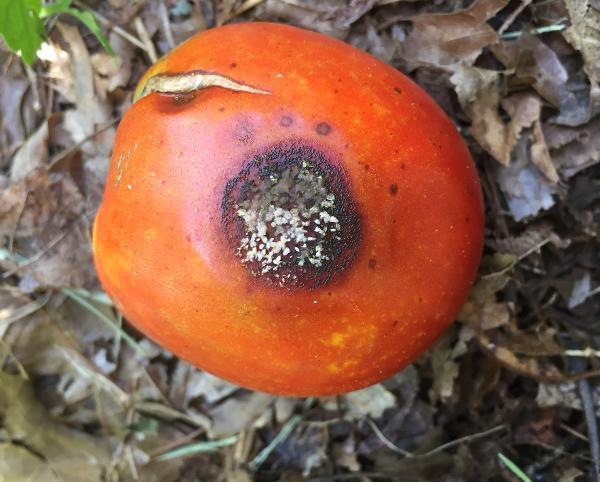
{"x":537,"y":65}
{"x":31,"y":155}
{"x":573,"y":149}
{"x":237,"y":413}
{"x":584,"y":35}
{"x":448,"y":39}
{"x":369,"y":402}
{"x":13,"y":86}
{"x":526,"y":189}
{"x":72,"y":456}
{"x":303,"y":450}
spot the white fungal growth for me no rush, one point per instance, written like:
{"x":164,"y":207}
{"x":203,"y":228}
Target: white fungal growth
{"x":288,"y":222}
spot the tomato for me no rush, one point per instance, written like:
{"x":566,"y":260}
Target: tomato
{"x":308,"y":226}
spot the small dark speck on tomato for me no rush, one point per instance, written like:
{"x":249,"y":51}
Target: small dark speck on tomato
{"x":233,"y":65}
{"x":398,"y":90}
{"x":323,"y":128}
{"x":393,"y":189}
{"x":221,"y":109}
{"x":372,"y":263}
{"x":286,"y":121}
{"x":403,"y":166}
{"x":395,"y":323}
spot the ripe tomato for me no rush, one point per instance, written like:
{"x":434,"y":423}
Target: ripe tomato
{"x":290,"y":213}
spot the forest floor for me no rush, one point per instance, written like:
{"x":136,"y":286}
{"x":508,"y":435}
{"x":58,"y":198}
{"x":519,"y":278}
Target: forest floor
{"x":84,"y":397}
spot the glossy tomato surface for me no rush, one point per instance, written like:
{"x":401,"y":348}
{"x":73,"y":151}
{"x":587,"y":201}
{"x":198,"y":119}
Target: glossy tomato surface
{"x":310,"y":239}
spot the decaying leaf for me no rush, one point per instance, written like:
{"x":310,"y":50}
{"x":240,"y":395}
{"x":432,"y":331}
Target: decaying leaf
{"x":584,"y":35}
{"x":45,"y":213}
{"x":574,"y":149}
{"x":371,"y":401}
{"x":70,"y":455}
{"x":448,"y":39}
{"x":527,"y":190}
{"x":537,"y":65}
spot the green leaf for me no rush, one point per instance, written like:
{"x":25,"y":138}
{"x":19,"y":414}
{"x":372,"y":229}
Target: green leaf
{"x":60,"y":6}
{"x":86,"y":18}
{"x":21,"y":27}
{"x":514,"y":468}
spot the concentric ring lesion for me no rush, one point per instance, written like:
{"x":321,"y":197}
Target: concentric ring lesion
{"x":290,"y":218}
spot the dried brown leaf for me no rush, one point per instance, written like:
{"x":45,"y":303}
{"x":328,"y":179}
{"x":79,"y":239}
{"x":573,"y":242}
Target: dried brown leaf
{"x":31,"y":155}
{"x":46,"y":214}
{"x":73,"y":456}
{"x":535,"y":64}
{"x":371,"y":401}
{"x":237,"y":413}
{"x":13,"y":86}
{"x":573,"y":148}
{"x":584,"y":35}
{"x":448,"y":39}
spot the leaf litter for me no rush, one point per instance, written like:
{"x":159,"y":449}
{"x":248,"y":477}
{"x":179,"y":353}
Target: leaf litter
{"x":85,"y":397}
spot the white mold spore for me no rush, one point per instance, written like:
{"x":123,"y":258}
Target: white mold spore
{"x":288,"y":222}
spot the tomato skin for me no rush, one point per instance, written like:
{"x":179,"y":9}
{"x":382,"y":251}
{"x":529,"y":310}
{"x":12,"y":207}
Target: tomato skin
{"x":159,"y":245}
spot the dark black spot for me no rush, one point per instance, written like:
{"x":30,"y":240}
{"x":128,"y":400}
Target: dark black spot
{"x":398,"y":90}
{"x":286,"y":121}
{"x":233,"y":65}
{"x":323,"y":128}
{"x":372,"y":263}
{"x":393,"y":189}
{"x":243,"y":132}
{"x":366,"y":167}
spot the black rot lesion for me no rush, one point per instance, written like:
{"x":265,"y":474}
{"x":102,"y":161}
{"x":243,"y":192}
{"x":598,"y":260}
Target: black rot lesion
{"x":393,"y":189}
{"x":290,"y":217}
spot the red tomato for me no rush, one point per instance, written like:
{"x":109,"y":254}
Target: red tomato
{"x":310,"y":235}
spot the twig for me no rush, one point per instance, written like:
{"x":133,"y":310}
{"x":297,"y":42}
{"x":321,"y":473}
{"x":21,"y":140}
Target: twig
{"x":176,"y":443}
{"x":389,"y":444}
{"x":530,"y":251}
{"x":592,"y":425}
{"x":511,"y":18}
{"x":283,"y":434}
{"x":143,"y":34}
{"x":440,"y":448}
{"x":164,"y":18}
{"x":465,"y":439}
{"x":559,"y":26}
{"x":244,"y":7}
